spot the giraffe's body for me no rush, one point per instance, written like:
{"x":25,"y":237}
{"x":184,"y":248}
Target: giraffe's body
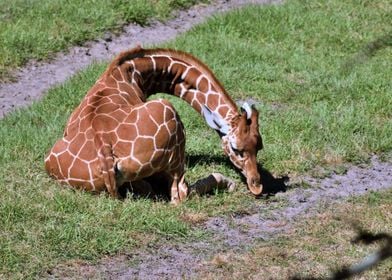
{"x":115,"y":136}
{"x":136,"y":141}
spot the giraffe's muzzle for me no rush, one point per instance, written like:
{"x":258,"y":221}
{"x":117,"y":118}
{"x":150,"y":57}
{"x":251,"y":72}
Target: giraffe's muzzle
{"x":254,"y":185}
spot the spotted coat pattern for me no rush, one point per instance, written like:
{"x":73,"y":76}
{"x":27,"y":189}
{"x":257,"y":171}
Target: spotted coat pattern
{"x":116,"y":136}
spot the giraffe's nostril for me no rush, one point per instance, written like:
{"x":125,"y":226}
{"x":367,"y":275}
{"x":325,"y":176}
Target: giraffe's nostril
{"x":255,"y":181}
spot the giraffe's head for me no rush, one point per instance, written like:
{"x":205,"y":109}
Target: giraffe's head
{"x":241,"y":141}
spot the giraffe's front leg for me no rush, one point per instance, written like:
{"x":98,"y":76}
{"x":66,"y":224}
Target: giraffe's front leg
{"x":208,"y":184}
{"x":179,"y":189}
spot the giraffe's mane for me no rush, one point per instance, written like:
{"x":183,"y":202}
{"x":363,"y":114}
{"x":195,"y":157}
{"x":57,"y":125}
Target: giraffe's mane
{"x":176,"y":54}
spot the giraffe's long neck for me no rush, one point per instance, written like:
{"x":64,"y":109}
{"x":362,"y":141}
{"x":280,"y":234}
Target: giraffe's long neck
{"x":177,"y":73}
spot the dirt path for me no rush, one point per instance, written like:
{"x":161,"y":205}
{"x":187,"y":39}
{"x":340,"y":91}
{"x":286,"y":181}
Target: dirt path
{"x":36,"y":78}
{"x":236,"y":234}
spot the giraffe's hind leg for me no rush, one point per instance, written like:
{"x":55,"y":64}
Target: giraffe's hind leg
{"x":63,"y":166}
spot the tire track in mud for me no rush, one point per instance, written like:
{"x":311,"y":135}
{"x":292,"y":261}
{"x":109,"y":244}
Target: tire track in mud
{"x":238,"y":233}
{"x":36,"y":78}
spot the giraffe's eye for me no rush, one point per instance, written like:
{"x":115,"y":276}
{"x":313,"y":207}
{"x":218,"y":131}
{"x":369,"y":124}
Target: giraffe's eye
{"x":237,"y":152}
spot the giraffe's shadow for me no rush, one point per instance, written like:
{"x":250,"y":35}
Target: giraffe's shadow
{"x":156,"y":188}
{"x":160,"y":185}
{"x":272,"y":185}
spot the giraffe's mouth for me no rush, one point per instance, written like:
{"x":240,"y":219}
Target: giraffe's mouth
{"x":256,"y":190}
{"x":255,"y":187}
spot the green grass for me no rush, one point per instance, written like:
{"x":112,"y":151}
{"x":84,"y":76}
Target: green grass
{"x":42,"y":223}
{"x":37,"y":29}
{"x":325,"y":92}
{"x":325,"y":98}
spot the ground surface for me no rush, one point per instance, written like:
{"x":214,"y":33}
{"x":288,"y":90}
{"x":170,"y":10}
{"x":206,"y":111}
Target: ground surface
{"x":237,"y":233}
{"x":36,"y":78}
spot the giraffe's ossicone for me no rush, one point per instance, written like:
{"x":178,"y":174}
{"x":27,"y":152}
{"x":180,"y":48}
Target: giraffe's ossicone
{"x":116,"y":137}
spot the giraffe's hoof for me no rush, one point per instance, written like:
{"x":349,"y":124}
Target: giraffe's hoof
{"x":231,"y":186}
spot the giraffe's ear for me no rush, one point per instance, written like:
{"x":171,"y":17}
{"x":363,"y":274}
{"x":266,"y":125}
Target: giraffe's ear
{"x":248,"y":109}
{"x":215,"y":121}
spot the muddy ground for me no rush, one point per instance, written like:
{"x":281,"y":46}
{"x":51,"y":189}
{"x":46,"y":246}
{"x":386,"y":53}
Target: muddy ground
{"x":169,"y":259}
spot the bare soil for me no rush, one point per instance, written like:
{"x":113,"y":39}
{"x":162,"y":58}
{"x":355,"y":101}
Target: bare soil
{"x":171,"y":259}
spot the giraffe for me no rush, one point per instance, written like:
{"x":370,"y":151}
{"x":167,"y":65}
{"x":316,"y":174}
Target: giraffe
{"x":116,"y":136}
{"x":115,"y":144}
